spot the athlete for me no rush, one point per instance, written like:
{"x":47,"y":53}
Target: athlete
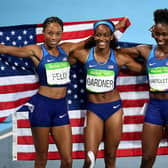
{"x":156,"y":116}
{"x":46,"y":117}
{"x":102,"y":62}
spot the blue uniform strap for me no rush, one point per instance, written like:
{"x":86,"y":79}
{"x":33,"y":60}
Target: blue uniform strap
{"x":45,"y":52}
{"x":62,"y":52}
{"x":152,"y":52}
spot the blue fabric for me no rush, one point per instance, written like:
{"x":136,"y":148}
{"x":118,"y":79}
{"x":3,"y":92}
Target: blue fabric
{"x":154,"y":62}
{"x":47,"y":112}
{"x":111,"y":64}
{"x":157,"y":112}
{"x":104,"y":22}
{"x":104,"y":110}
{"x":49,"y":58}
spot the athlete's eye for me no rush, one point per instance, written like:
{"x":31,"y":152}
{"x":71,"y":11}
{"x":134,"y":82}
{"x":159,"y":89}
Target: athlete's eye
{"x":103,"y":34}
{"x":155,"y":33}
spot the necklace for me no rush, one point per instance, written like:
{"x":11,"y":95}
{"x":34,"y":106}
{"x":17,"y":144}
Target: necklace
{"x":107,"y":56}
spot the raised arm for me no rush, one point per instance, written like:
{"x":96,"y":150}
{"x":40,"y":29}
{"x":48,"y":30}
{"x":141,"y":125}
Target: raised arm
{"x":71,"y":47}
{"x":80,"y":55}
{"x":126,"y":60}
{"x":26,"y":51}
{"x":140,"y":50}
{"x":122,"y":23}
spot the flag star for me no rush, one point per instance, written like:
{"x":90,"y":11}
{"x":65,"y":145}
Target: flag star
{"x":24,"y":32}
{"x":2,"y":68}
{"x":14,"y":43}
{"x":6,"y":63}
{"x":26,"y":63}
{"x":1,"y":33}
{"x":82,"y":90}
{"x":13,"y":67}
{"x":23,"y":68}
{"x":81,"y":80}
{"x":7,"y":38}
{"x":25,"y":42}
{"x":69,"y":91}
{"x":15,"y":63}
{"x":31,"y":36}
{"x":2,"y":43}
{"x":19,"y":37}
{"x":75,"y":96}
{"x":74,"y":76}
{"x":75,"y":85}
{"x":69,"y":102}
{"x":13,"y":32}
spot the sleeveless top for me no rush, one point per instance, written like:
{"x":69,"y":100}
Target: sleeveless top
{"x":157,"y":72}
{"x":53,"y":71}
{"x":101,"y":77}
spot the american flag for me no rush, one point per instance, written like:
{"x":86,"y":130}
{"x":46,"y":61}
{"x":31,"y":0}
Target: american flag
{"x":18,"y":83}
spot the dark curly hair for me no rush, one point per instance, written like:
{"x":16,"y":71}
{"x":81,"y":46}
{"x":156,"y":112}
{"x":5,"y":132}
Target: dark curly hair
{"x":52,"y":19}
{"x":161,"y":16}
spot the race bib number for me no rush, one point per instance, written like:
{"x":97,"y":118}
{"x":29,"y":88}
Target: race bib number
{"x":100,"y":80}
{"x":158,"y":79}
{"x":57,"y":73}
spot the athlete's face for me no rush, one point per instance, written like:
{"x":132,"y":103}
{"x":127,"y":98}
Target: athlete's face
{"x":103,"y":36}
{"x":52,"y":34}
{"x":160,"y":34}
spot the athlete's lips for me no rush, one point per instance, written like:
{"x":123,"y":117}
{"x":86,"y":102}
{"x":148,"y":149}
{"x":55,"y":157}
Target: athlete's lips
{"x":53,"y":43}
{"x":102,"y":43}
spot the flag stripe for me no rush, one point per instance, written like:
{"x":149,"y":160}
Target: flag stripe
{"x":80,"y":154}
{"x":127,"y":136}
{"x":8,"y":105}
{"x":79,"y":130}
{"x":67,"y":35}
{"x":131,"y":88}
{"x":2,"y":119}
{"x":134,"y":103}
{"x":80,"y":146}
{"x":80,"y":121}
{"x":18,"y":88}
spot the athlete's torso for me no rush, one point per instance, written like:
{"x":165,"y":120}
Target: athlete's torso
{"x":101,"y":78}
{"x":157,"y":70}
{"x":53,"y":71}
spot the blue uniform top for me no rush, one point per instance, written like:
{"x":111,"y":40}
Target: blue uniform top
{"x":102,"y":71}
{"x":157,"y":72}
{"x":49,"y":59}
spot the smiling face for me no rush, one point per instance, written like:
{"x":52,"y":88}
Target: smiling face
{"x":52,"y":34}
{"x":160,"y":34}
{"x":103,"y":36}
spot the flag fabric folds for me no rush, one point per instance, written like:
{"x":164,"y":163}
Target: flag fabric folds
{"x":18,"y":82}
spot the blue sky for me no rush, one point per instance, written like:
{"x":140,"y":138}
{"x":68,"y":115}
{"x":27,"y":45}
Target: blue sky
{"x":139,"y":12}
